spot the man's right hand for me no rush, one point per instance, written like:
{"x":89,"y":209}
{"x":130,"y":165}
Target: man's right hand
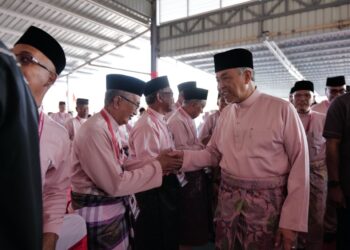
{"x":49,"y":241}
{"x":336,"y":196}
{"x":170,"y":162}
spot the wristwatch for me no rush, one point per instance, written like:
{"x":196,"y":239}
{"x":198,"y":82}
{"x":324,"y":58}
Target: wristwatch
{"x":333,"y":184}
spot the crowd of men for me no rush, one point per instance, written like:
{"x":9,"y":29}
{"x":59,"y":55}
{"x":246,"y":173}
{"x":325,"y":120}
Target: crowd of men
{"x":263,"y":173}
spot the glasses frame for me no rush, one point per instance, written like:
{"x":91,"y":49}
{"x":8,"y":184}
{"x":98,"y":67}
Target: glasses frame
{"x":32,"y":60}
{"x":137,"y":105}
{"x":340,"y":91}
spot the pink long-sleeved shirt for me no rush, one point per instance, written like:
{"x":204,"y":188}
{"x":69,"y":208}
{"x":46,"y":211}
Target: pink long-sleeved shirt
{"x":61,"y":117}
{"x":98,"y":171}
{"x":313,"y":123}
{"x":55,"y":172}
{"x":183,"y":128}
{"x":321,"y":107}
{"x":209,"y":125}
{"x":258,"y":138}
{"x":73,"y":125}
{"x":149,"y":136}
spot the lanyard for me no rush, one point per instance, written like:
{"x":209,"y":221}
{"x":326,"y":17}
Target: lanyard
{"x":41,"y":124}
{"x":115,"y":144}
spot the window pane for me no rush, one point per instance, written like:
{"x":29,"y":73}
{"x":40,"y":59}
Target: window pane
{"x":172,"y":9}
{"x":200,"y":6}
{"x":226,"y":3}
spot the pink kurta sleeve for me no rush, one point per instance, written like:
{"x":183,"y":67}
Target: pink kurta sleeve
{"x":70,"y":128}
{"x":294,"y":213}
{"x":145,"y":141}
{"x":197,"y":159}
{"x":183,"y":138}
{"x":55,"y":195}
{"x":97,"y":159}
{"x":56,"y":179}
{"x":208,"y":127}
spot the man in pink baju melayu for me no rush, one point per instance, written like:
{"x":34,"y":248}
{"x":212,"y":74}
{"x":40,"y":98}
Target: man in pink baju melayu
{"x":193,"y":198}
{"x":42,"y":59}
{"x":260,"y":145}
{"x":74,"y":124}
{"x":313,"y":123}
{"x":102,"y":190}
{"x":61,"y":117}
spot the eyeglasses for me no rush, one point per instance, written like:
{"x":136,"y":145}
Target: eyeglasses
{"x":299,"y":95}
{"x":137,"y":105}
{"x":26,"y":59}
{"x":336,"y":91}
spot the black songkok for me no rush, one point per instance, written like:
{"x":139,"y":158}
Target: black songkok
{"x":81,"y":101}
{"x":156,"y":84}
{"x":304,"y":85}
{"x":235,"y":58}
{"x":186,"y":85}
{"x":46,"y":44}
{"x":196,"y":94}
{"x":292,"y":90}
{"x":125,"y":83}
{"x":335,"y":81}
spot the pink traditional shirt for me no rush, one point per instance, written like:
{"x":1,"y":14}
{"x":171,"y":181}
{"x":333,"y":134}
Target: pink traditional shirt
{"x":98,"y":166}
{"x":208,"y":127}
{"x":313,"y":123}
{"x":149,"y":137}
{"x":73,"y":125}
{"x":124,"y":136}
{"x":61,"y":117}
{"x":55,"y":171}
{"x":183,"y":128}
{"x":176,"y":107}
{"x":321,"y":107}
{"x":259,"y":138}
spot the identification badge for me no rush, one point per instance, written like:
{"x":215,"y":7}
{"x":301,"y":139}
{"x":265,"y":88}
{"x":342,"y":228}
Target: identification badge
{"x":133,"y":206}
{"x":207,"y":170}
{"x":182,"y":179}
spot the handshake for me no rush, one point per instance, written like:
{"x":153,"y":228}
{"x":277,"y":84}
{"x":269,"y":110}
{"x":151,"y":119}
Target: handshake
{"x":171,"y":161}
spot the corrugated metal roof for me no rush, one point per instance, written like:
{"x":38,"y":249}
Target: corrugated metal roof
{"x":314,"y":37}
{"x":86,"y":29}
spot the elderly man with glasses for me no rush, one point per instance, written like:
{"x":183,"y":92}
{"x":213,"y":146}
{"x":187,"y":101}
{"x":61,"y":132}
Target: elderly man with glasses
{"x":102,"y":191}
{"x":193,"y":199}
{"x":335,"y":86}
{"x":42,"y":59}
{"x":313,"y":123}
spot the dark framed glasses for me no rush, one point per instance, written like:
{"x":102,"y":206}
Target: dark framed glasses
{"x":336,"y":91}
{"x":137,"y":105}
{"x":26,"y":59}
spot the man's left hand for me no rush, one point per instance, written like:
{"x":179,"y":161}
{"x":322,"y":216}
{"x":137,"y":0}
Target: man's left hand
{"x":287,"y":238}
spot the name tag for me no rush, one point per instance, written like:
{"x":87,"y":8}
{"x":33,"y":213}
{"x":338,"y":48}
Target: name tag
{"x":182,"y":179}
{"x":133,"y":206}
